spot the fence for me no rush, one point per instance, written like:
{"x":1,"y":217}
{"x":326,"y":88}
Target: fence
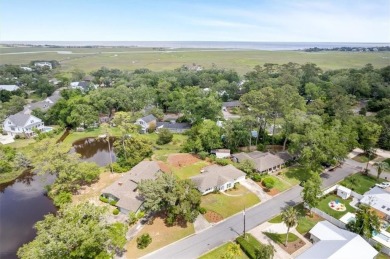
{"x":334,"y":188}
{"x":329,"y":218}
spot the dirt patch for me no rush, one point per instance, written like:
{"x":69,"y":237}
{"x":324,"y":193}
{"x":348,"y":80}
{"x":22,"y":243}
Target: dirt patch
{"x":212,"y":216}
{"x":164,"y":167}
{"x":181,"y":160}
{"x":274,"y":148}
{"x":271,"y":192}
{"x":293,"y":246}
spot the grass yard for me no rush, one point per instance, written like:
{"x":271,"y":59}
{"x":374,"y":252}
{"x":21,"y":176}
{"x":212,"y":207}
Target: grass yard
{"x":359,"y":183}
{"x":161,"y":152}
{"x":382,"y":256}
{"x":362,"y":158}
{"x":294,"y":175}
{"x":73,"y":136}
{"x":161,"y":235}
{"x":21,"y":143}
{"x":190,"y":170}
{"x":229,"y":205}
{"x":323,"y":205}
{"x":220,"y":252}
{"x":280,"y":185}
{"x":281,"y":238}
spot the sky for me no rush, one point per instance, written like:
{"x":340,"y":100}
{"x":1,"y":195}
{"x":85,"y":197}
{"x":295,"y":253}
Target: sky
{"x":196,"y":20}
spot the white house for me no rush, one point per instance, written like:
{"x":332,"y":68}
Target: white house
{"x":221,"y":153}
{"x":22,"y":124}
{"x":343,"y":192}
{"x":146,"y":122}
{"x":215,"y":177}
{"x":378,"y":199}
{"x":9,"y":87}
{"x":332,"y":242}
{"x":43,"y":64}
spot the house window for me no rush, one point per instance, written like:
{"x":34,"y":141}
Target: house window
{"x":9,"y":122}
{"x":32,"y":121}
{"x":228,"y":185}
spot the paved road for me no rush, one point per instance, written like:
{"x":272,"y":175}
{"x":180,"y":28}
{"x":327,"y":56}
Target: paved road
{"x":373,"y":170}
{"x":195,"y":245}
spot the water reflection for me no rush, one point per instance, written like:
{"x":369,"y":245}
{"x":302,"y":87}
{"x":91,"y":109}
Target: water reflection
{"x":95,"y":150}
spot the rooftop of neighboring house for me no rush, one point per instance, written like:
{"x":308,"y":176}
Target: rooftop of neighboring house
{"x":21,"y":119}
{"x":174,"y":125}
{"x":125,"y":188}
{"x":148,"y":118}
{"x":9,"y":87}
{"x":337,"y":243}
{"x":378,"y":199}
{"x":215,"y":175}
{"x":231,"y":104}
{"x":263,"y":161}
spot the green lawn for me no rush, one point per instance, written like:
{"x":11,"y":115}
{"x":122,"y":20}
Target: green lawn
{"x":388,"y":229}
{"x":382,"y":256}
{"x":191,"y":170}
{"x":323,"y":205}
{"x":279,"y":184}
{"x":359,"y":183}
{"x":229,"y":205}
{"x":73,"y":136}
{"x":21,"y":143}
{"x":294,"y":175}
{"x":161,"y":152}
{"x":277,"y":219}
{"x":281,"y":238}
{"x":362,"y":158}
{"x":220,"y":252}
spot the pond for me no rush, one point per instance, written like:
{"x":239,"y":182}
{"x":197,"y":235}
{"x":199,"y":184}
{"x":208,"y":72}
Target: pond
{"x":95,"y":150}
{"x":22,"y":203}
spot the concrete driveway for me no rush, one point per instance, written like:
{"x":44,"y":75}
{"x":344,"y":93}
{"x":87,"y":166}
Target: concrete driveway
{"x":256,"y":189}
{"x":6,"y":139}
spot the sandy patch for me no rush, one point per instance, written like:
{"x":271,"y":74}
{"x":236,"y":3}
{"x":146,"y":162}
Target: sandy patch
{"x":181,"y":160}
{"x":164,"y":167}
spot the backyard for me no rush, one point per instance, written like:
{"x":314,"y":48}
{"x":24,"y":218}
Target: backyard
{"x":190,"y":170}
{"x":324,"y":206}
{"x":231,"y":202}
{"x":359,"y":183}
{"x":161,"y":235}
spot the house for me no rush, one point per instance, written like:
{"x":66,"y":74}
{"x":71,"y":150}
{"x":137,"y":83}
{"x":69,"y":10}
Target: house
{"x":215,"y":177}
{"x":43,"y":105}
{"x":146,"y":122}
{"x":336,"y":243}
{"x":343,"y":192}
{"x":173,"y":127}
{"x":231,"y":104}
{"x":124,"y":190}
{"x":221,"y":153}
{"x":83,"y":86}
{"x":9,"y":88}
{"x":22,"y":124}
{"x":378,"y":199}
{"x":264,"y":162}
{"x":43,"y":64}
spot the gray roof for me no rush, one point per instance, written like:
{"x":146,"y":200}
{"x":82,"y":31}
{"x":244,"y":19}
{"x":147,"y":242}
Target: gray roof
{"x":55,"y":97}
{"x":20,"y":119}
{"x":231,"y":104}
{"x":285,"y":156}
{"x":125,"y":188}
{"x":149,"y":118}
{"x":43,"y":105}
{"x":263,"y":161}
{"x":9,"y":87}
{"x":378,"y":198}
{"x":176,"y":125}
{"x":215,"y":175}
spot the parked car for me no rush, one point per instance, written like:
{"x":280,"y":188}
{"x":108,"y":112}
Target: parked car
{"x":383,"y":185}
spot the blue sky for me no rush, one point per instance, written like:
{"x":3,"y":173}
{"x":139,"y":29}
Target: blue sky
{"x":202,"y":20}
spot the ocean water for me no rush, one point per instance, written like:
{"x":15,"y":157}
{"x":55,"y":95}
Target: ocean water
{"x":206,"y":44}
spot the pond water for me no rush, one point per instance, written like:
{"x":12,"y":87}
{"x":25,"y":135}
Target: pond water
{"x":22,"y":204}
{"x":95,"y":150}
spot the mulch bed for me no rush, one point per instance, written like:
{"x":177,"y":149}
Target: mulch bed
{"x":181,"y":160}
{"x":293,"y":246}
{"x":212,"y":216}
{"x":164,"y":167}
{"x":271,"y":192}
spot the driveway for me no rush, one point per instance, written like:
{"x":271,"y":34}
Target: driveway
{"x":6,"y":139}
{"x":195,"y":245}
{"x":256,"y":189}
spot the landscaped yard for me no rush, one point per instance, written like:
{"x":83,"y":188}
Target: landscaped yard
{"x":230,"y":203}
{"x":324,"y":206}
{"x":362,"y":158}
{"x":280,"y":185}
{"x":161,"y":235}
{"x":281,"y":238}
{"x":294,"y":175}
{"x":220,"y":252}
{"x":359,"y":183}
{"x":190,"y":170}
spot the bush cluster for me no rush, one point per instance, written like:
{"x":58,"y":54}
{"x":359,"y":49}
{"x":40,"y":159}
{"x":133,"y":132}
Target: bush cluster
{"x":143,"y":241}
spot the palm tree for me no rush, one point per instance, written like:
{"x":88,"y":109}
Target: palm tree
{"x":290,"y":218}
{"x":381,"y":166}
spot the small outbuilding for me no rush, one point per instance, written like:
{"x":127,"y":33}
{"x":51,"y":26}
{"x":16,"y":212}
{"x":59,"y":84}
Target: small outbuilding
{"x":221,"y":153}
{"x":343,"y":192}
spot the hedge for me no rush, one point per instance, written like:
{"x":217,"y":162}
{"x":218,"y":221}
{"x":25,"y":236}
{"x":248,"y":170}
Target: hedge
{"x":247,"y":247}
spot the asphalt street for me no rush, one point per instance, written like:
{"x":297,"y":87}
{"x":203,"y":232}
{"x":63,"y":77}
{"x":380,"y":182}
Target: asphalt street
{"x":198,"y":244}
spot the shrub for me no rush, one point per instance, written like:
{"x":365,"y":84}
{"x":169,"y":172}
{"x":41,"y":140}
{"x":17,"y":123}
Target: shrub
{"x":222,"y":161}
{"x":248,"y":249}
{"x":117,"y":168}
{"x":134,"y":217}
{"x":17,"y":137}
{"x":152,"y":127}
{"x":164,"y":137}
{"x":202,"y":210}
{"x":268,"y":182}
{"x":103,"y":199}
{"x":115,"y":211}
{"x":62,"y":198}
{"x":203,"y":155}
{"x":143,"y":241}
{"x":113,"y":202}
{"x":256,"y":177}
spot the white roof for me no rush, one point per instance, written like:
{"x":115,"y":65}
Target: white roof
{"x":344,"y":189}
{"x":9,"y":87}
{"x":377,"y":198}
{"x":337,"y":243}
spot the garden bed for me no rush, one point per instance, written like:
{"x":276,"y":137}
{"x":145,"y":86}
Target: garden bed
{"x":294,"y":242}
{"x":212,"y":216}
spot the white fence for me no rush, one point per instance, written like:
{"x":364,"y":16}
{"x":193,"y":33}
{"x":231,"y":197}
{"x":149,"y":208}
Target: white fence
{"x":329,"y":218}
{"x":334,"y":188}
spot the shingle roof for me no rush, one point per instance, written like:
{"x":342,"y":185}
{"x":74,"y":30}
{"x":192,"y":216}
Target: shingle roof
{"x":263,"y":161}
{"x":377,"y":198}
{"x":337,"y":243}
{"x":125,"y":188}
{"x":54,"y":97}
{"x":149,"y":118}
{"x":20,"y":119}
{"x":168,"y":125}
{"x":285,"y":156}
{"x":231,"y":104}
{"x":215,"y":175}
{"x":9,"y":87}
